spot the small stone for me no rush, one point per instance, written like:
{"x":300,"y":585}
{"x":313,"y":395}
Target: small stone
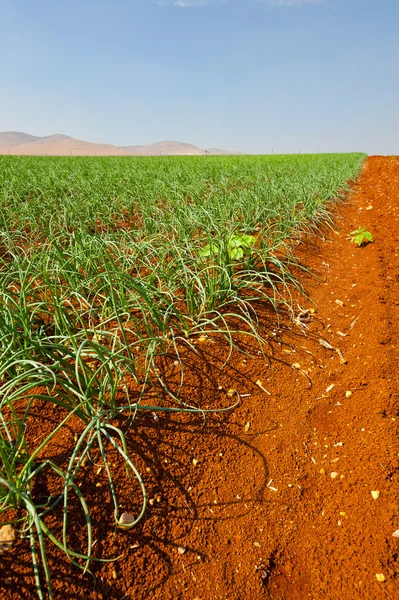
{"x":334,"y":475}
{"x":322,"y":472}
{"x":126,"y":519}
{"x":247,"y":426}
{"x":7,"y":537}
{"x":195,"y":462}
{"x":114,"y":575}
{"x":231,"y":392}
{"x":375,"y":494}
{"x":396,"y":534}
{"x":339,"y":302}
{"x":182,"y":549}
{"x":348,"y":394}
{"x":380,"y":577}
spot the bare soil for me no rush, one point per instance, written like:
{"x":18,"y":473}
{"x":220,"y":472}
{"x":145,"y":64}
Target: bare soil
{"x":272,"y":500}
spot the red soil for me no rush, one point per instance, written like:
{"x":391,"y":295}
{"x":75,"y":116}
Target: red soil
{"x":259,"y":515}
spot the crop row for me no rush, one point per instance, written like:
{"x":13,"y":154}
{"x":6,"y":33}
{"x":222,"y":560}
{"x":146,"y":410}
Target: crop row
{"x":105,"y":264}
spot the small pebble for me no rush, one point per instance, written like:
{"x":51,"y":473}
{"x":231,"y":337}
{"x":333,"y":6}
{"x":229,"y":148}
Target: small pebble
{"x":375,"y":494}
{"x":334,"y":475}
{"x":126,"y":519}
{"x":182,"y":549}
{"x":348,"y":394}
{"x":7,"y":537}
{"x":380,"y":577}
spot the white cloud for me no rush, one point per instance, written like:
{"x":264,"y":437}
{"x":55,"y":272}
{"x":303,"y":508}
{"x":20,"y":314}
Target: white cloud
{"x":190,"y":3}
{"x":203,"y":3}
{"x":277,"y":3}
{"x":182,"y":3}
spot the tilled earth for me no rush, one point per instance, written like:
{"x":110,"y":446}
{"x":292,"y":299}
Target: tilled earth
{"x":273,"y":500}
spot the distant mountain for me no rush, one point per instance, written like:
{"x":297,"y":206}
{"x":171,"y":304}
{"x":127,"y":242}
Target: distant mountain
{"x":58,"y":144}
{"x":165,"y":149}
{"x":216,"y":151}
{"x":10,"y":139}
{"x":66,"y":147}
{"x":56,"y":137}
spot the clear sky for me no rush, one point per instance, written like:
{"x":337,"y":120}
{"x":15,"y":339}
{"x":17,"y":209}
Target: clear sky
{"x":246,"y":75}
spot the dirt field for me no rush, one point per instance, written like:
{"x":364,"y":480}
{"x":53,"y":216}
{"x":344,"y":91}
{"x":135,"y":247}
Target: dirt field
{"x":275,"y":499}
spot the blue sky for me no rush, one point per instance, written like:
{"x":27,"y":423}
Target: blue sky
{"x":246,"y":75}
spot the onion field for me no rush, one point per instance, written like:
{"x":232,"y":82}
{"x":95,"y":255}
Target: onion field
{"x":107,"y":264}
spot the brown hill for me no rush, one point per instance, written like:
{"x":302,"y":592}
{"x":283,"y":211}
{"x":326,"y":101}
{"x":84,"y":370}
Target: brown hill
{"x":11,"y":139}
{"x":17,"y":143}
{"x":165,"y":149}
{"x":67,"y":147}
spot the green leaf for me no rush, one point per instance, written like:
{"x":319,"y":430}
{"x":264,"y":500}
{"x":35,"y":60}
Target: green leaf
{"x":368,"y":236}
{"x":236,"y":253}
{"x":248,"y":240}
{"x":209,"y":250}
{"x":359,"y":239}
